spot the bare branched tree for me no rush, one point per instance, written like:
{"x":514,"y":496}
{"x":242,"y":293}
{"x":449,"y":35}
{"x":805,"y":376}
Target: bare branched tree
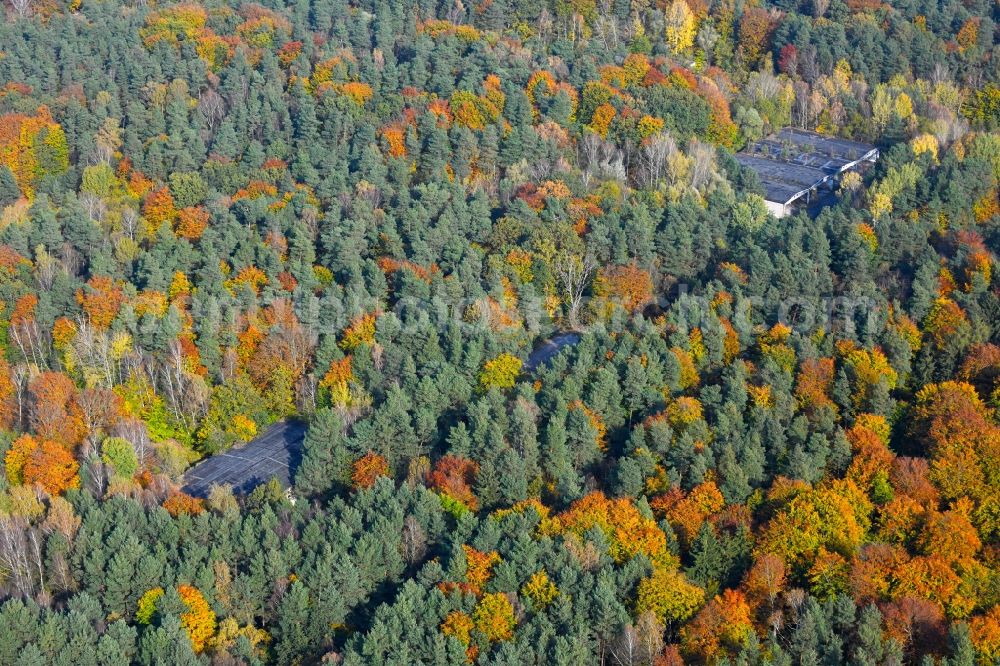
{"x":21,"y":375}
{"x":305,"y":393}
{"x":413,"y":544}
{"x":590,"y":147}
{"x":186,"y":393}
{"x":22,"y":8}
{"x":97,"y":476}
{"x":130,"y":222}
{"x":108,"y":141}
{"x":638,"y":644}
{"x":20,"y":555}
{"x":702,"y":163}
{"x":135,"y":431}
{"x":625,"y":650}
{"x":655,"y":153}
{"x":30,"y":339}
{"x":575,"y":274}
{"x":94,"y":205}
{"x":45,"y":268}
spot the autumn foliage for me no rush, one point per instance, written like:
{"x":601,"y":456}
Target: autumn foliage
{"x":962,"y":439}
{"x":454,"y":476}
{"x":724,"y":623}
{"x":191,"y":222}
{"x":199,"y":618}
{"x":478,"y":568}
{"x":32,"y":147}
{"x":813,"y":383}
{"x":686,"y":514}
{"x":56,"y":413}
{"x":835,"y":517}
{"x":337,"y":381}
{"x":181,"y":503}
{"x":367,"y":470}
{"x":539,"y":589}
{"x":627,"y":286}
{"x":459,"y":625}
{"x":44,"y":463}
{"x":361,"y":331}
{"x":494,"y":617}
{"x":500,"y":372}
{"x":627,"y":531}
{"x":765,"y":439}
{"x":669,"y":596}
{"x":158,"y":208}
{"x":100,"y":299}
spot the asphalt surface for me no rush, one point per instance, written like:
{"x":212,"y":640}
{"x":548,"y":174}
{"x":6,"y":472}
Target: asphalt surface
{"x":274,"y":453}
{"x":548,"y":349}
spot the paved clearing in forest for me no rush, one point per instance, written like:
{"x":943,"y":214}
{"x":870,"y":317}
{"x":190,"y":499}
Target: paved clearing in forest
{"x":274,"y":453}
{"x":548,"y":349}
{"x":278,"y":450}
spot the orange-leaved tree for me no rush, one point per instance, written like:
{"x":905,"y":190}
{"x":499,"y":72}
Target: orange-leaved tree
{"x":8,"y":393}
{"x":55,"y":411}
{"x":337,"y":381}
{"x":813,"y":383}
{"x":159,"y":209}
{"x":723,"y":624}
{"x":100,"y":299}
{"x":627,"y":531}
{"x":181,"y":503}
{"x":454,"y":476}
{"x":53,"y":467}
{"x":627,"y":286}
{"x":32,"y":147}
{"x":199,"y":618}
{"x":478,"y":568}
{"x":765,"y":581}
{"x":686,"y":515}
{"x":459,"y":625}
{"x":44,"y":463}
{"x":191,"y":222}
{"x":367,"y":469}
{"x":985,"y":634}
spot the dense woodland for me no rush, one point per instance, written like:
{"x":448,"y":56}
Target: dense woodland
{"x":777,"y":441}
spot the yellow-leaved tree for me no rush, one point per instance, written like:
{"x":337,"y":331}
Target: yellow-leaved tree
{"x":500,"y":372}
{"x":681,"y":26}
{"x":199,"y":620}
{"x":494,"y":617}
{"x":669,"y":596}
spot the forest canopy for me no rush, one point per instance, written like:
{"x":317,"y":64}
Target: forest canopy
{"x":770,"y":441}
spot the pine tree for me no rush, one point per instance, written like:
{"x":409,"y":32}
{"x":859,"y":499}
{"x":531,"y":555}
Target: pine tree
{"x":708,"y":560}
{"x":511,"y":470}
{"x":960,"y":648}
{"x":167,"y":644}
{"x":9,"y":191}
{"x":326,"y":460}
{"x":292,"y":639}
{"x":557,"y":456}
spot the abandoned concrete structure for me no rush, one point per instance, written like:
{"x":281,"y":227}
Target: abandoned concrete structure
{"x":795,"y":163}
